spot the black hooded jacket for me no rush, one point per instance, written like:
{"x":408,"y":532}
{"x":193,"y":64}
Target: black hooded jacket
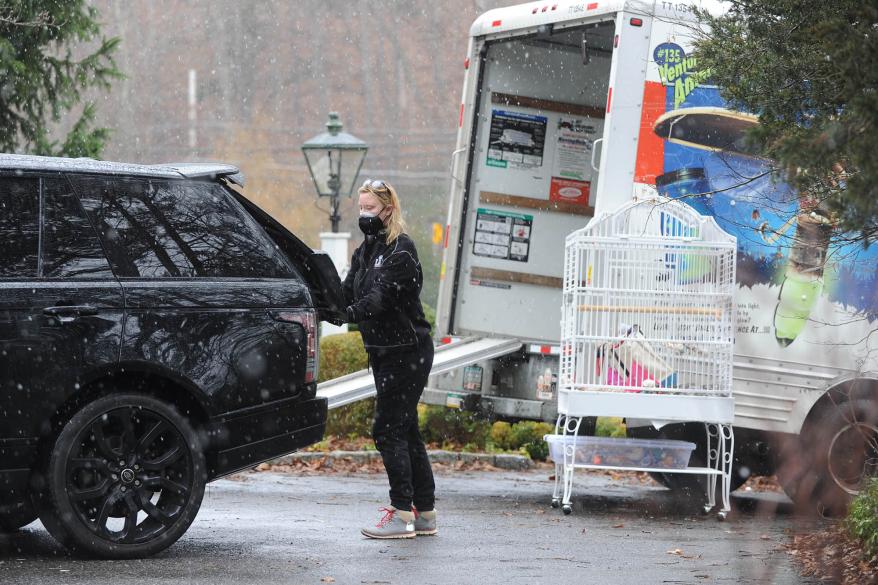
{"x":383,"y":291}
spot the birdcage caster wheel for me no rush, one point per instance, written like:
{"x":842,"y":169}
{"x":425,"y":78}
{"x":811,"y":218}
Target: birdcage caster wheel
{"x":722,"y":515}
{"x":556,"y":503}
{"x":567,"y":509}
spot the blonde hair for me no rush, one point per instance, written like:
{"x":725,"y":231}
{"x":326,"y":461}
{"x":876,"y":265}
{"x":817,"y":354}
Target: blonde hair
{"x":387,"y":196}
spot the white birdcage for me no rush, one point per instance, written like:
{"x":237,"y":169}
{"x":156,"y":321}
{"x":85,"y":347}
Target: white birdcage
{"x":648,"y":303}
{"x":647,"y":333}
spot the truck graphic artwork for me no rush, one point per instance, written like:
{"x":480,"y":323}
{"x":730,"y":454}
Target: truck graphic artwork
{"x":788,"y":243}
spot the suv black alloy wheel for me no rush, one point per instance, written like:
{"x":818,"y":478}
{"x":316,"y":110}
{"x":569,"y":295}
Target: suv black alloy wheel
{"x":127,"y":477}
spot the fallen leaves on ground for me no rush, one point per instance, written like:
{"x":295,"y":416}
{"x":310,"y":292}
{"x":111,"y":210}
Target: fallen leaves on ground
{"x":241,"y":477}
{"x":762,"y":483}
{"x":324,"y":465}
{"x":343,"y":444}
{"x":347,"y":465}
{"x":832,"y":555}
{"x":465,"y":466}
{"x":629,"y":477}
{"x":679,"y":553}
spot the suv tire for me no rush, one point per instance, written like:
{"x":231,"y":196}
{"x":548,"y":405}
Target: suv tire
{"x":124,"y":479}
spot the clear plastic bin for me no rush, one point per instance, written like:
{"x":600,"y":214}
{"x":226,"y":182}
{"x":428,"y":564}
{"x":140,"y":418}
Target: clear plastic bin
{"x":658,"y":454}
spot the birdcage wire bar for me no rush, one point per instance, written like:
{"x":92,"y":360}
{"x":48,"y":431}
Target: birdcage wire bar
{"x":647,"y":330}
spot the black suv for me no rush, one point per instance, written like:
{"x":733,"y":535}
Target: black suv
{"x":157,"y":331}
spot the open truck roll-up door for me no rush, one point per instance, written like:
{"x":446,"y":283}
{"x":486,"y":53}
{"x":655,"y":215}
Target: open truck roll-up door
{"x":548,"y":128}
{"x":316,"y":266}
{"x":538,"y":108}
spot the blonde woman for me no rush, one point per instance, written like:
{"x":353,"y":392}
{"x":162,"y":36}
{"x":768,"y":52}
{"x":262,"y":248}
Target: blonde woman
{"x":383,"y":291}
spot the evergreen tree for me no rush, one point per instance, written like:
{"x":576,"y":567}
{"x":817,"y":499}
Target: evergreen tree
{"x":51,"y":54}
{"x":809,"y":69}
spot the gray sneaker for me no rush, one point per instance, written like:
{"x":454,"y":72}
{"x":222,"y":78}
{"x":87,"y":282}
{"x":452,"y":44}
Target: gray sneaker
{"x":394,"y":524}
{"x":425,"y":523}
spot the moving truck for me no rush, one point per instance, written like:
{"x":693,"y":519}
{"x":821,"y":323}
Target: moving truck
{"x":573,"y":108}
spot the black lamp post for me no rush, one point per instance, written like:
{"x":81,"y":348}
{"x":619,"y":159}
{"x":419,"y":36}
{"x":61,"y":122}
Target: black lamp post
{"x":334,"y":160}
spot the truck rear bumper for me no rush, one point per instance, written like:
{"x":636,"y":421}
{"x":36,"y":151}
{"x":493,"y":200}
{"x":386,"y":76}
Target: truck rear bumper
{"x":492,"y":406}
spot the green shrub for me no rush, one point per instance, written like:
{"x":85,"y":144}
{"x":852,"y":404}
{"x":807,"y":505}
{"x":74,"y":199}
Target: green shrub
{"x":430,"y":315}
{"x":529,"y":431}
{"x":340,"y":355}
{"x":610,"y":427}
{"x":528,"y":435}
{"x":352,"y":420}
{"x":501,"y":436}
{"x":448,"y":425}
{"x":524,"y":435}
{"x":862,"y":518}
{"x":537,"y":450}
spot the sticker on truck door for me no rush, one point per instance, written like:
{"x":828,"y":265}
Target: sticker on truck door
{"x":502,"y":235}
{"x":572,"y":174}
{"x":517,"y":140}
{"x":574,"y":139}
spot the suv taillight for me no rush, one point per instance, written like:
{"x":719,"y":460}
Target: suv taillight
{"x":308,"y":321}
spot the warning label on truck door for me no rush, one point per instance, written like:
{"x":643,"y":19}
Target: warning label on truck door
{"x":517,"y":140}
{"x":502,"y":235}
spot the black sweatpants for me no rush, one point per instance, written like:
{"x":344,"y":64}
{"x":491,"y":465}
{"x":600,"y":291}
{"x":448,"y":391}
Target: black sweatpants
{"x":400,"y":379}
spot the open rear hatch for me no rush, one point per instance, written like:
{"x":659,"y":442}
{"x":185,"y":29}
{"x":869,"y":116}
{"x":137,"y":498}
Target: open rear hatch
{"x":316,"y":266}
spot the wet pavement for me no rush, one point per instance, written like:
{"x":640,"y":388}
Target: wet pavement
{"x":494,"y":527}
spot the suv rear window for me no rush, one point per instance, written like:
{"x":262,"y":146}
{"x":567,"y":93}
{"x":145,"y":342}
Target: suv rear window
{"x":162,"y":229}
{"x":19,"y":227}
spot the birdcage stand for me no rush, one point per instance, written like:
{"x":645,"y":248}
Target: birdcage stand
{"x":647,"y":333}
{"x":719,"y":446}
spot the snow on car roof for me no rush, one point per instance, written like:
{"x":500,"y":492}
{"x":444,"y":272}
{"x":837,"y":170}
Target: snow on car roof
{"x":26,"y":162}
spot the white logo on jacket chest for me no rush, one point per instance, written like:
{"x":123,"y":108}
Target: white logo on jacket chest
{"x":379,"y":261}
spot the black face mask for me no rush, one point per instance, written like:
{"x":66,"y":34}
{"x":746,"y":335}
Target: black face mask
{"x":371,"y":225}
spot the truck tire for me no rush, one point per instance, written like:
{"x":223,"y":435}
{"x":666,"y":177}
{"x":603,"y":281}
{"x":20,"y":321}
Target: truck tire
{"x":690,"y":485}
{"x":124,"y":479}
{"x":17,"y":516}
{"x":834,"y":455}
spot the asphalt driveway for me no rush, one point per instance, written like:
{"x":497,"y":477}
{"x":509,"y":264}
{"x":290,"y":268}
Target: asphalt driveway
{"x":495,"y":527}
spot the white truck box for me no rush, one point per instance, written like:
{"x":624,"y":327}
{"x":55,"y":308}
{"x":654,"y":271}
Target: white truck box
{"x":571,"y":107}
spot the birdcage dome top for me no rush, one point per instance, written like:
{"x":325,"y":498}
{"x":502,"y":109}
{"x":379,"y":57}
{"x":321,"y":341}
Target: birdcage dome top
{"x":656,"y":217}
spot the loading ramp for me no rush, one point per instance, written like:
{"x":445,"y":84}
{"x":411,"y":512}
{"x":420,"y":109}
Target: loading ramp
{"x":457,"y":354}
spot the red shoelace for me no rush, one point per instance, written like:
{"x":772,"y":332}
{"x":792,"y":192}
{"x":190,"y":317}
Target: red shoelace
{"x":388,"y":516}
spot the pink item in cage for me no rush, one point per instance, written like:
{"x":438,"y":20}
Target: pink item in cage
{"x":623,"y":369}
